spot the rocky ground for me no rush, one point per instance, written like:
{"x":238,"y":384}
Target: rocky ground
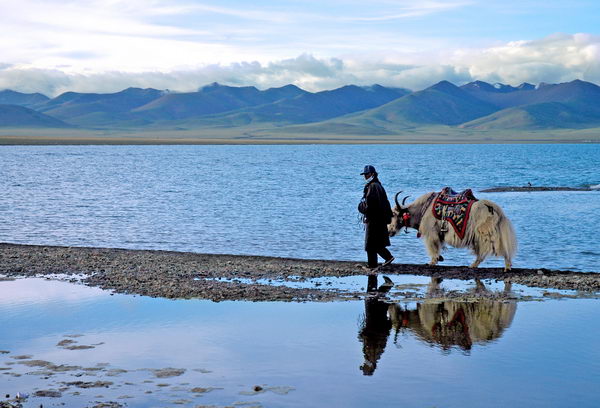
{"x":232,"y":277}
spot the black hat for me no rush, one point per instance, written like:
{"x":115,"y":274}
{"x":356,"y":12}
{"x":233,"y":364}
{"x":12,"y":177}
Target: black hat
{"x":369,"y":170}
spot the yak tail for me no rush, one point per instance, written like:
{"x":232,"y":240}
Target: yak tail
{"x":493,"y":233}
{"x":508,"y":239}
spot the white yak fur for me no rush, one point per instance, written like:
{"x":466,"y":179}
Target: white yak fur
{"x":488,"y":232}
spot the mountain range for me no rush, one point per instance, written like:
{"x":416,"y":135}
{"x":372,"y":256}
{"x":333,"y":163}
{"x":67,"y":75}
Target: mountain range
{"x":350,"y":109}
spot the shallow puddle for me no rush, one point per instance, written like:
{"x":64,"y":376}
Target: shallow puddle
{"x":81,"y":346}
{"x":402,"y":288}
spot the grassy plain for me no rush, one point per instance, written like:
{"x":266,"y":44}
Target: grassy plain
{"x":292,"y":135}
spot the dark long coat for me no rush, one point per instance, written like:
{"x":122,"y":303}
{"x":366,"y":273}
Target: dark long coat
{"x":377,"y":215}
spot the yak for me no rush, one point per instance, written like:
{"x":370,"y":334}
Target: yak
{"x":459,"y":220}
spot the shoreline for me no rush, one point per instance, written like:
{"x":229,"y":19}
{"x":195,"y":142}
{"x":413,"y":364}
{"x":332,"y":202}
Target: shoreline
{"x":520,"y":189}
{"x":125,"y":141}
{"x":260,"y":135}
{"x":184,"y":275}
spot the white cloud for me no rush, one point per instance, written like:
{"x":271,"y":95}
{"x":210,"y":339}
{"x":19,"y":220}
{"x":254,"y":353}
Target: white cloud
{"x":556,"y":58}
{"x":166,"y":35}
{"x":414,"y":9}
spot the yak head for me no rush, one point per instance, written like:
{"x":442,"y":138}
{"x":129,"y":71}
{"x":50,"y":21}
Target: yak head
{"x":400,"y":216}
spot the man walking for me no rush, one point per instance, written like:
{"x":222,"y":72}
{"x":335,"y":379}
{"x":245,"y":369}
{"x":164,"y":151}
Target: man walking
{"x":377,"y":214}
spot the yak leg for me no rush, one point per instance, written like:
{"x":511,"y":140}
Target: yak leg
{"x":507,"y":264}
{"x":477,"y":261}
{"x":480,"y":287}
{"x":434,"y":246}
{"x":484,"y":241}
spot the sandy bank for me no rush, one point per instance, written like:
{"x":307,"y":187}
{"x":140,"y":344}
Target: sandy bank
{"x":190,"y":275}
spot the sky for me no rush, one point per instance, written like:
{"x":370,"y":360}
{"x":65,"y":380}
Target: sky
{"x":53,"y":46}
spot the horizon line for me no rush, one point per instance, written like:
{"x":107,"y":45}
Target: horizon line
{"x":215,"y":83}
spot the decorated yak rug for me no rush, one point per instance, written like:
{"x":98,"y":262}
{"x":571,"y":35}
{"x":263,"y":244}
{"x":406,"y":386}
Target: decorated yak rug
{"x":454,"y":208}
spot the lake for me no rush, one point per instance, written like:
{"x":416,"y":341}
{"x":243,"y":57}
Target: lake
{"x":98,"y":349}
{"x":94,"y":348}
{"x":289,"y":201}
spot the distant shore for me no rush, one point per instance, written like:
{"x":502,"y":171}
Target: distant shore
{"x":260,"y":136}
{"x":532,"y":189}
{"x":233,"y":277}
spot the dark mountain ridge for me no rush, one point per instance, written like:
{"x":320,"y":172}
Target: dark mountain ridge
{"x":375,"y":108}
{"x":574,"y":104}
{"x":8,"y":97}
{"x":443,"y":103}
{"x":15,"y":116}
{"x":311,"y":107}
{"x":212,"y":99}
{"x":71,"y":104}
{"x":525,"y":94}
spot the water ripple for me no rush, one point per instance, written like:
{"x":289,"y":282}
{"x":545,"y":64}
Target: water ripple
{"x":291,"y":201}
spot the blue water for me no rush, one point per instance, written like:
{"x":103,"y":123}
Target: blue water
{"x":290,"y":201}
{"x":531,"y":354}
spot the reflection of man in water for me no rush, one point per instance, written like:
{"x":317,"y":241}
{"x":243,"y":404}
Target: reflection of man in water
{"x":376,"y":325}
{"x":374,"y":333}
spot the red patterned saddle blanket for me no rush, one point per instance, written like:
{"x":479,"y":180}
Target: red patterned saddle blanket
{"x":454,"y":208}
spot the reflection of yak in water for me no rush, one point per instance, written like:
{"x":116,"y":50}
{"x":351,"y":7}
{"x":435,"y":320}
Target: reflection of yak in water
{"x":451,"y":323}
{"x":446,"y":324}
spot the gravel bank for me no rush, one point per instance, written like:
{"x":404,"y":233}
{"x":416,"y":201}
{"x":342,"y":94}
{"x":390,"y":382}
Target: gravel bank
{"x":190,"y":275}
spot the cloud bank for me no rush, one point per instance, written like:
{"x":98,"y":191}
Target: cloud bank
{"x":555,"y":58}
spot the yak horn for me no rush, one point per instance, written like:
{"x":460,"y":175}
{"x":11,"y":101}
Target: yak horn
{"x":404,"y":200}
{"x":396,"y":199}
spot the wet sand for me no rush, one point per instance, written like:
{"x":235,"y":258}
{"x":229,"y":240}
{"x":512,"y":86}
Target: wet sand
{"x":191,"y":275}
